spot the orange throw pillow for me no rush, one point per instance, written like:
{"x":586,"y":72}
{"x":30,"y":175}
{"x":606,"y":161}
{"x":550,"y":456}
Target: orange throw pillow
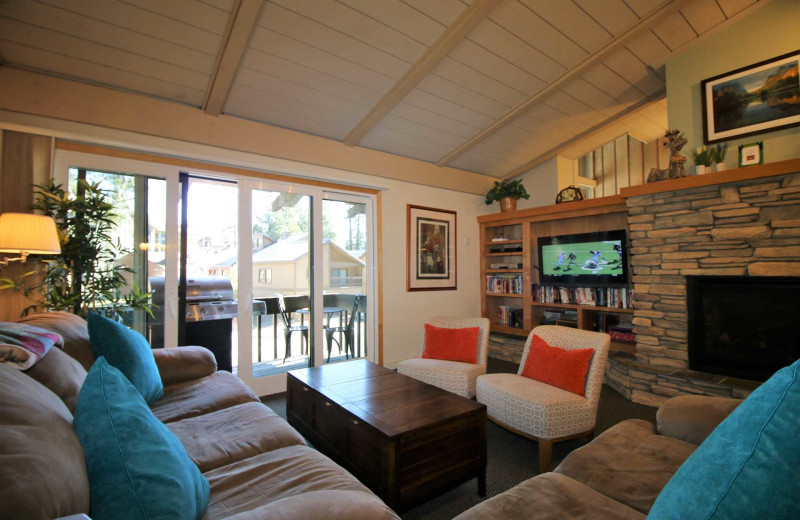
{"x":565,"y":369}
{"x":451,"y":344}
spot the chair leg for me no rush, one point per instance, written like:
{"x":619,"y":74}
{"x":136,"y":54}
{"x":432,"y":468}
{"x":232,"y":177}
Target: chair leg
{"x":329,"y":340}
{"x":287,"y":336}
{"x":545,"y":455}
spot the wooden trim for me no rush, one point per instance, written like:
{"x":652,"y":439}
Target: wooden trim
{"x":553,"y":152}
{"x":240,"y":25}
{"x":645,"y":24}
{"x":712,"y":179}
{"x":200,"y":165}
{"x":451,"y":37}
{"x":579,"y":208}
{"x":379,"y":260}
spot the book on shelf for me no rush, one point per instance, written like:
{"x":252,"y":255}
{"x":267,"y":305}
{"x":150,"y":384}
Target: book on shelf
{"x":510,"y":316}
{"x":614,"y":297}
{"x":504,"y":283}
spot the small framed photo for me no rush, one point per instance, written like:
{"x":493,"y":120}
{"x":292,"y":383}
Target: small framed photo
{"x":759,"y":98}
{"x":431,"y":249}
{"x":750,"y":154}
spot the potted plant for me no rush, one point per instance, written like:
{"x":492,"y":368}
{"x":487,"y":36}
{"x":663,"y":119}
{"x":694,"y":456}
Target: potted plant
{"x":507,"y":193}
{"x":702,"y":159}
{"x":717,"y":155}
{"x":85,"y":276}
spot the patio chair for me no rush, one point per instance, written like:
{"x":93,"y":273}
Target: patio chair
{"x":542,"y":412}
{"x":288,"y":328}
{"x":453,"y":376}
{"x":347,"y":330}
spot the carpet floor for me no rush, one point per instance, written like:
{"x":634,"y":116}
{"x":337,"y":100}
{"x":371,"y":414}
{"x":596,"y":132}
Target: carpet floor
{"x":511,"y":458}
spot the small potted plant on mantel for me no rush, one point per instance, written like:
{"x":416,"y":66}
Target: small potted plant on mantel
{"x":507,"y":193}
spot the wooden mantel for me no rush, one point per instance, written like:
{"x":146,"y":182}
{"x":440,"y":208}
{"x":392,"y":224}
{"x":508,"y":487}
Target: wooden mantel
{"x":616,"y":203}
{"x":696,"y":181}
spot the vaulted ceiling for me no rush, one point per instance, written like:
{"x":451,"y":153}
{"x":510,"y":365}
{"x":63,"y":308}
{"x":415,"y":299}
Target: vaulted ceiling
{"x":488,"y":86}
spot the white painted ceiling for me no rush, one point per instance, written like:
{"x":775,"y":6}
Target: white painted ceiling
{"x":527,"y":78}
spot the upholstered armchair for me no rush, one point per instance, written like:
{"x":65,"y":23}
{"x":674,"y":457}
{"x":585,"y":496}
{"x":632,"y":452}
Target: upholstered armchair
{"x":540,"y":411}
{"x":453,"y":376}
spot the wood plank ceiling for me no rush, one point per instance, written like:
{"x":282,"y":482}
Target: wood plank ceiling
{"x":489,"y":86}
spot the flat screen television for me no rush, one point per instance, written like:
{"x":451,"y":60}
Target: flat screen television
{"x":585,"y":259}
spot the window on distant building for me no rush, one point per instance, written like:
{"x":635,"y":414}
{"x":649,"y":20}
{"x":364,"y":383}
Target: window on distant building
{"x":338,"y":277}
{"x":265,"y":275}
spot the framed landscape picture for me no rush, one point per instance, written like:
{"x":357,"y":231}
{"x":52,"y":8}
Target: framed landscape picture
{"x":431,"y":249}
{"x":759,"y":98}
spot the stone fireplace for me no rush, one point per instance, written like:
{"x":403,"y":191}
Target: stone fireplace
{"x":749,"y":228}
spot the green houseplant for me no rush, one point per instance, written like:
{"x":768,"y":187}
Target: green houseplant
{"x":702,"y":159}
{"x":84,"y":277}
{"x":507,"y":193}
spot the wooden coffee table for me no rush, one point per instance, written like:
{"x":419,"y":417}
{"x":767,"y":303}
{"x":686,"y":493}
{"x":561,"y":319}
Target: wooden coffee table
{"x":406,"y":440}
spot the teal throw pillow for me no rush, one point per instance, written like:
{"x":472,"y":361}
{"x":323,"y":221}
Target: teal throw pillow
{"x":128,"y":351}
{"x":749,"y":467}
{"x":137,"y":468}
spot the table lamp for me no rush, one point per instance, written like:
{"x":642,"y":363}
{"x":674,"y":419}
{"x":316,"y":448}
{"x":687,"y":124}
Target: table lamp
{"x":27,"y":234}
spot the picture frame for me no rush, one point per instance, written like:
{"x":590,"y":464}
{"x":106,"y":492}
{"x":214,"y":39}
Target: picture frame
{"x":758,"y":98}
{"x":431,"y":249}
{"x":751,"y":154}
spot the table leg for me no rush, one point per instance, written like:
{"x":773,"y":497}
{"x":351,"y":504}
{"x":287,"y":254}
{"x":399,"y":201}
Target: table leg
{"x":258,"y":320}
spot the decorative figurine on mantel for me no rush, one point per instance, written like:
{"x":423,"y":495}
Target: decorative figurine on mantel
{"x":675,"y":141}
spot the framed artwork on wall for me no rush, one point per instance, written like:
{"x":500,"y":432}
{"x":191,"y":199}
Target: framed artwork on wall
{"x":431,"y":249}
{"x":759,"y":98}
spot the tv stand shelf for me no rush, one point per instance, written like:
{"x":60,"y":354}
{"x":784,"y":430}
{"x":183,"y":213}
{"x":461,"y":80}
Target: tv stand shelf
{"x":523,"y":229}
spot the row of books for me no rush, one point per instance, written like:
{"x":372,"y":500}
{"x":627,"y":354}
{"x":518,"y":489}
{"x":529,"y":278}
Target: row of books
{"x":507,"y":284}
{"x":615,"y":297}
{"x":510,"y":316}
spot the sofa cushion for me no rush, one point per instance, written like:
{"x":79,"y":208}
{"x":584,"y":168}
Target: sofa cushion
{"x":750,"y":464}
{"x":628,"y":462}
{"x":61,"y":374}
{"x":207,"y":394}
{"x":129,"y":352}
{"x":137,"y":467}
{"x":275,"y":475}
{"x":551,"y":496}
{"x":238,"y":432}
{"x":322,"y":505}
{"x":42,"y":471}
{"x":72,"y":328}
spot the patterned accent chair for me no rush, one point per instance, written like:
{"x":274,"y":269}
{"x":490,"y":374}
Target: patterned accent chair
{"x":452,"y":376}
{"x":542,"y":412}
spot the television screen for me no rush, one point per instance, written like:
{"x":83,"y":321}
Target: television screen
{"x":589,"y":259}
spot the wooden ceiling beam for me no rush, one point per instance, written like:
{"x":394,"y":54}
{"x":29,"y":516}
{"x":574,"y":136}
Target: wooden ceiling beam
{"x":452,"y":36}
{"x":240,"y":26}
{"x":645,"y":24}
{"x":553,"y":152}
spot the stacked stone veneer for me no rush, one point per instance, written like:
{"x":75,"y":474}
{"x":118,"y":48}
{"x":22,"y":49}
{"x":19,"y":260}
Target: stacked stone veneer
{"x":749,"y":228}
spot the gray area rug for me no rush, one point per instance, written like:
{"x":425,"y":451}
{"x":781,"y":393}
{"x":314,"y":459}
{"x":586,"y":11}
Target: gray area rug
{"x":511,"y":458}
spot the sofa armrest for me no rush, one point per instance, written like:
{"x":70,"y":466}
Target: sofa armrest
{"x":692,"y":418}
{"x":177,"y":365}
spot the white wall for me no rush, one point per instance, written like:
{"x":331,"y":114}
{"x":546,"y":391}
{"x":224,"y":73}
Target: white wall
{"x":541,"y":183}
{"x":405,"y":312}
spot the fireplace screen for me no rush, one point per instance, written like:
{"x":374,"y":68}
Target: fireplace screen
{"x":743,"y":326}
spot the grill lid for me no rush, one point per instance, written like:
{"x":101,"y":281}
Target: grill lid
{"x":198,"y":289}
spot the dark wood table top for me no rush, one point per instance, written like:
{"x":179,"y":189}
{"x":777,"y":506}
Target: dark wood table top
{"x":391,"y":402}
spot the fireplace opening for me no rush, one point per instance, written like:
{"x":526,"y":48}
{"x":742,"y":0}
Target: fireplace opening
{"x":742,"y":326}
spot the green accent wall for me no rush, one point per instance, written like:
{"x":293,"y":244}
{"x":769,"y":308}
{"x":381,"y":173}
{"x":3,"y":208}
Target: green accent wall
{"x":770,"y":31}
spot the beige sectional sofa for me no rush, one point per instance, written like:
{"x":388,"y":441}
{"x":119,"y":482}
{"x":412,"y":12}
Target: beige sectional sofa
{"x":256,"y":464}
{"x":620,"y":473}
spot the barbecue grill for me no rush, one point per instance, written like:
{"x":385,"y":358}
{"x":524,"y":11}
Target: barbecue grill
{"x":210,"y":309}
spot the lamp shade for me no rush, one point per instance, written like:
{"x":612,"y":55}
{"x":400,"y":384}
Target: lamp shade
{"x":29,"y":233}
